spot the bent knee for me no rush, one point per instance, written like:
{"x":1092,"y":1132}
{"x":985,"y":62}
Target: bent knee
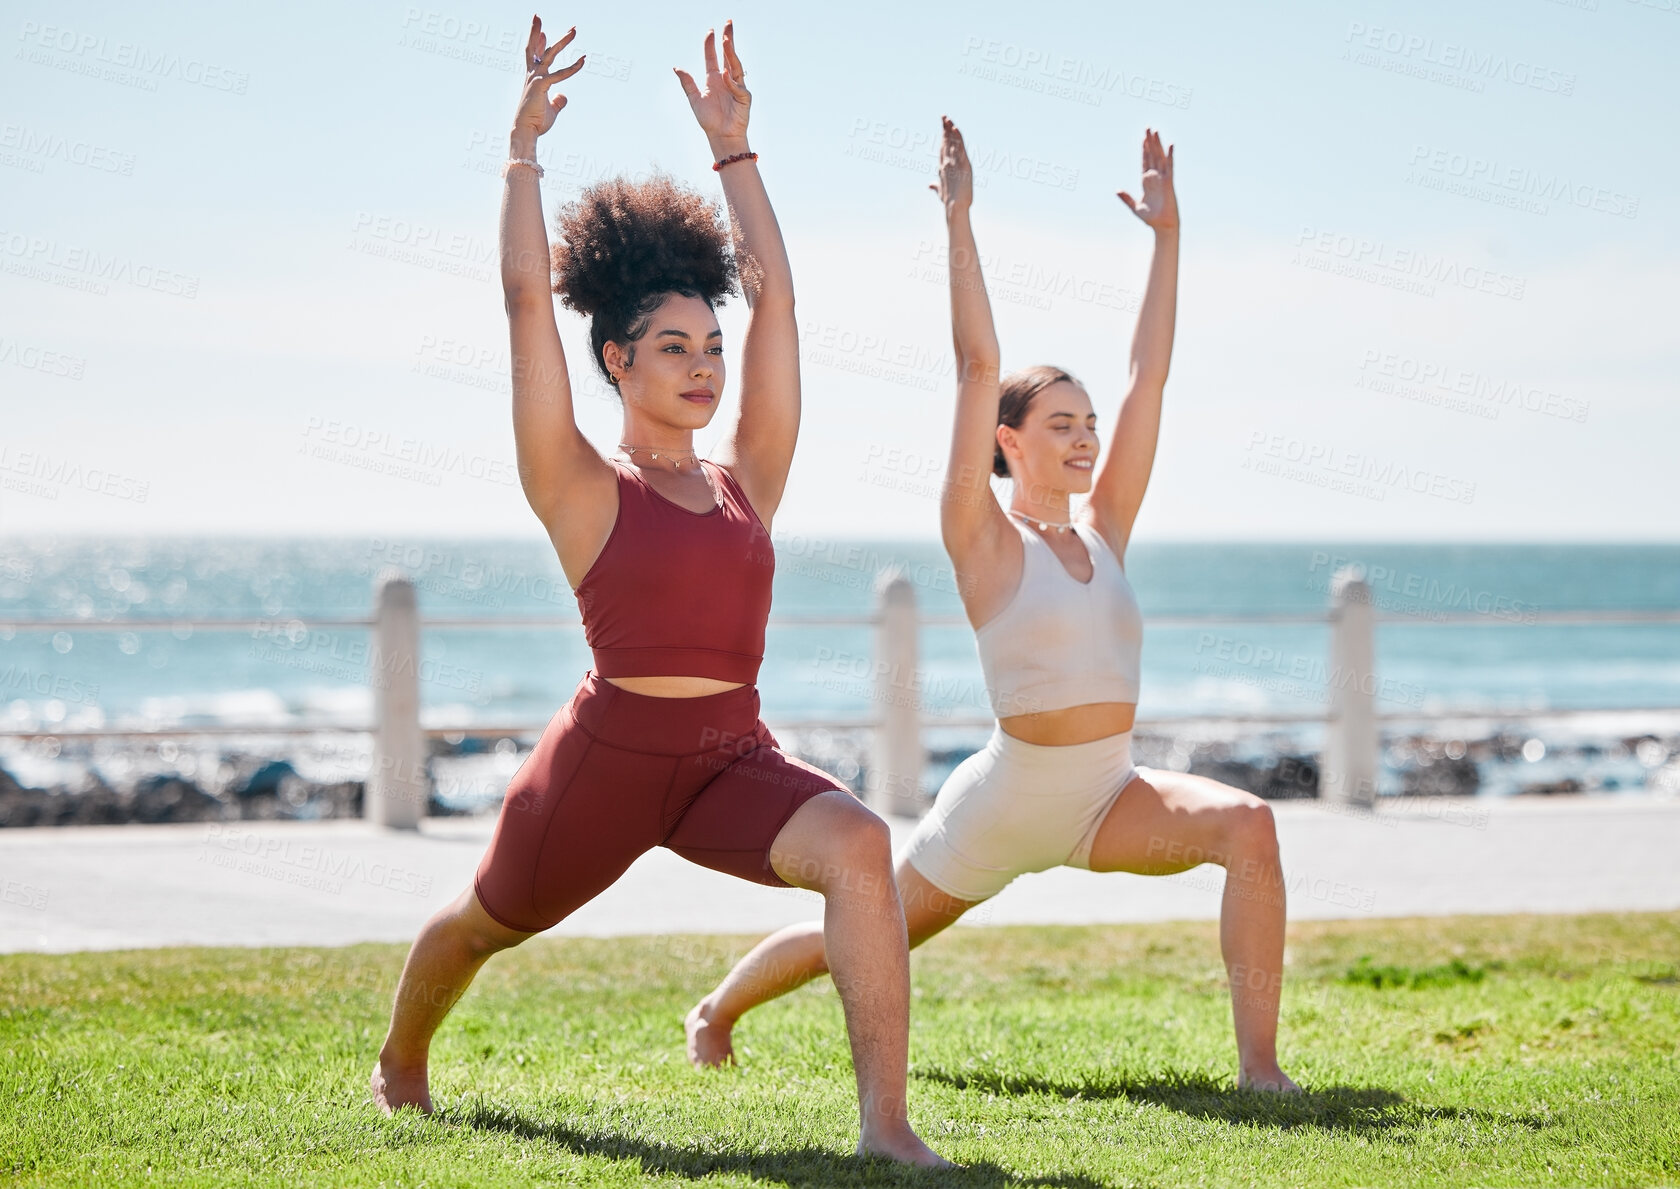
{"x":472,"y":926}
{"x":860,"y":859}
{"x":867,"y":843}
{"x":1250,"y":826}
{"x":483,"y":942}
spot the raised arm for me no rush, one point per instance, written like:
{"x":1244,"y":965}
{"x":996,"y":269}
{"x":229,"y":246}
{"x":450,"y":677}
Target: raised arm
{"x":1123,"y":472}
{"x":558,"y":467}
{"x":758,"y":449}
{"x":968,"y":511}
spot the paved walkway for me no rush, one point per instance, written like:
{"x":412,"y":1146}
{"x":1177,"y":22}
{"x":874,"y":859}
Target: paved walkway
{"x":333,"y":883}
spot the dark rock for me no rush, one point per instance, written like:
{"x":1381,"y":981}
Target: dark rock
{"x":262,"y":780}
{"x":263,"y":807}
{"x":1291,"y":778}
{"x":94,"y":803}
{"x":171,"y":798}
{"x":9,"y":784}
{"x":298,"y":799}
{"x":262,"y":790}
{"x":1507,"y":748}
{"x":470,"y":745}
{"x":436,"y":808}
{"x":1550,"y":787}
{"x":21,"y":807}
{"x":343,"y":799}
{"x":1438,"y":775}
{"x":1236,"y":773}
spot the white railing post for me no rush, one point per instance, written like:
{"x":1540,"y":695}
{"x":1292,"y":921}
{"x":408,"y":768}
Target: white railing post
{"x":1348,"y":772}
{"x":396,"y":791}
{"x":895,"y":755}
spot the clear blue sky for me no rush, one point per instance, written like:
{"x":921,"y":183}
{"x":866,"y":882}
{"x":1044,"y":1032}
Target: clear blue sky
{"x":1398,"y":219}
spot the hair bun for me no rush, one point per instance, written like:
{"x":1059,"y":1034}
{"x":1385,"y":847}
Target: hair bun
{"x":621,"y":240}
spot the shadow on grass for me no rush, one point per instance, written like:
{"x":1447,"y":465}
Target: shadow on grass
{"x":817,"y":1168}
{"x":1331,"y":1108}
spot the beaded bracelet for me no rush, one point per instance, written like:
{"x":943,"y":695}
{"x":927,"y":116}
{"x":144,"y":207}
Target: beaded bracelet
{"x":521,"y":161}
{"x":718,"y":165}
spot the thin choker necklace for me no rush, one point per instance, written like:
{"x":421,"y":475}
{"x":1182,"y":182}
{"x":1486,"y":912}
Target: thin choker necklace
{"x":654,"y":454}
{"x":1042,"y":524}
{"x":717,"y":498}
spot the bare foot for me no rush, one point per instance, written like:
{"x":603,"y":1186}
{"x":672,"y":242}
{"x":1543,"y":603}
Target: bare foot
{"x":708,"y":1039}
{"x":904,"y":1146}
{"x":394,"y":1090}
{"x":1273,"y":1079}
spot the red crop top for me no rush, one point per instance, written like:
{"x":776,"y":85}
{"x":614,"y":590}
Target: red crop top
{"x":676,"y":593}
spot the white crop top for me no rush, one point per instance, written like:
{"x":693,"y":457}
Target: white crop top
{"x":1061,"y":642}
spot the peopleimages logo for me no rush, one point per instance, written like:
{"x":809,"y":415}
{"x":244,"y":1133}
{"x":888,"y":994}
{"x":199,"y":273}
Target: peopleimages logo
{"x":1495,"y":393}
{"x":45,"y":258}
{"x":463,"y":576}
{"x":1365,"y":258}
{"x":147,"y":64}
{"x":38,"y":359}
{"x":1379,"y":474}
{"x":303,"y":863}
{"x":1521,"y":181}
{"x":37,"y":473}
{"x":1412,"y":587}
{"x":1474,"y":64}
{"x":49,"y":146}
{"x":16,"y":681}
{"x":1063,"y":76}
{"x":381,"y":450}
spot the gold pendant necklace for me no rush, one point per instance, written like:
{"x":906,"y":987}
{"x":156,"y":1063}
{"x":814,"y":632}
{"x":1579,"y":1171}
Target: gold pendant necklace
{"x":676,"y":465}
{"x":653,"y":454}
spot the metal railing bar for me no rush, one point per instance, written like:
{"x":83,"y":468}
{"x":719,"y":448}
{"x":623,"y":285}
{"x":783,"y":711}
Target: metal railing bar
{"x":479,"y":730}
{"x":1421,"y":619}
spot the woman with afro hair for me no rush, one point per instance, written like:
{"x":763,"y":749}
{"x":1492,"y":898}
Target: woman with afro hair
{"x":1059,"y":636}
{"x":661,"y":743}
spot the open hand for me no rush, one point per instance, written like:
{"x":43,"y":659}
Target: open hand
{"x":536,"y":109}
{"x":722,"y":110}
{"x":1159,"y":207}
{"x":956,"y":175}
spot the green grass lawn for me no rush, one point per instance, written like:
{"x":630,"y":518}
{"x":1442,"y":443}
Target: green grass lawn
{"x":1462,"y":1051}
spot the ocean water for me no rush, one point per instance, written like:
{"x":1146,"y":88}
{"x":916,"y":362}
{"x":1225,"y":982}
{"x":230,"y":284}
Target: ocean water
{"x":1499,"y":664}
